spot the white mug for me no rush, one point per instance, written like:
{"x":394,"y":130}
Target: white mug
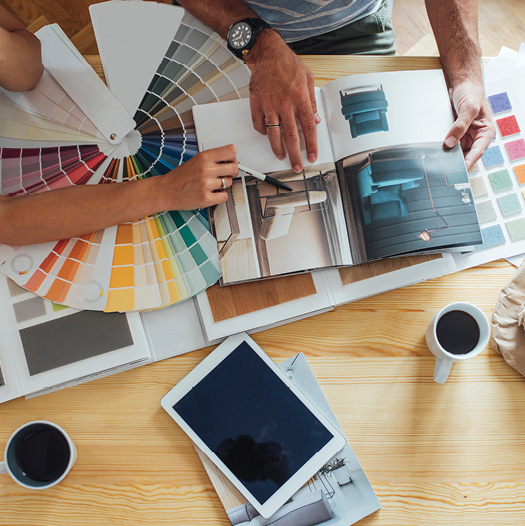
{"x":445,"y":358}
{"x":39,"y":455}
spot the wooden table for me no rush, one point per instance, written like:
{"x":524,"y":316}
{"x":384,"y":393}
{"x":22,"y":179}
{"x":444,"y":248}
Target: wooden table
{"x":451,"y":454}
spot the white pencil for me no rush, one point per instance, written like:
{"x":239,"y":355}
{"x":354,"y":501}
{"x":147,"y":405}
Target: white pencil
{"x":263,"y":177}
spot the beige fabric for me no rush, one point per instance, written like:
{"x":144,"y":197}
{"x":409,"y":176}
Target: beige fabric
{"x":508,"y":322}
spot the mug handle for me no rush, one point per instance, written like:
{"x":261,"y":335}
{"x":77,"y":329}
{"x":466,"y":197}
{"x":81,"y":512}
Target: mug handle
{"x":442,"y":369}
{"x":3,"y":469}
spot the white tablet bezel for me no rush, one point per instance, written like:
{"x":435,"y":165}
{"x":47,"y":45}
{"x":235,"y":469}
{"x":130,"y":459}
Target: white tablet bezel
{"x":308,"y":470}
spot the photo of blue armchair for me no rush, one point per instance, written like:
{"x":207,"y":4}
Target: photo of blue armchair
{"x":382,"y":186}
{"x":365,"y":109}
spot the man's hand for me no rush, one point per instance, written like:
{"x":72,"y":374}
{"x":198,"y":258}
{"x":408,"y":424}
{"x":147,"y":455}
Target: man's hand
{"x":473,"y":127}
{"x":282,"y":91}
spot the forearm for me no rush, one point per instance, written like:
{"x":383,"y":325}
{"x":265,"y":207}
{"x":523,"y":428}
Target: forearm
{"x":20,"y":60}
{"x":218,"y":14}
{"x":77,"y":210}
{"x":455,"y":27}
{"x":221,"y":14}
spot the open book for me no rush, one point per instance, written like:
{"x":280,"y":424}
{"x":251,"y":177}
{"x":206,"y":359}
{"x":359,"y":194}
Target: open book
{"x":382,"y":186}
{"x":339,"y":494}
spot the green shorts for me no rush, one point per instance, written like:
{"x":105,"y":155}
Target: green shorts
{"x":372,"y":35}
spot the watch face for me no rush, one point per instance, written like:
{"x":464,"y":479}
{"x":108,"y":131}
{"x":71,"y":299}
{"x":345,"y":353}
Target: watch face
{"x":240,"y":35}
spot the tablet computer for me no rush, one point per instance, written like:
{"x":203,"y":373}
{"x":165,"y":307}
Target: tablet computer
{"x":258,"y":428}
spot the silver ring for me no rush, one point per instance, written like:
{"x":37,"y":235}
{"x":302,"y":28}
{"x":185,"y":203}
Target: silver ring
{"x":278,"y":125}
{"x":223,"y":183}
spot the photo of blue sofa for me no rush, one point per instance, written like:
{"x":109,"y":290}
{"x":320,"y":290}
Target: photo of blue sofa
{"x":365,"y":109}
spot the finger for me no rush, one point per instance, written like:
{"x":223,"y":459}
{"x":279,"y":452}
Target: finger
{"x":223,"y":154}
{"x":466,"y":115}
{"x":257,"y":115}
{"x":309,"y":128}
{"x":275,"y":135}
{"x":292,"y":140}
{"x":216,"y":198}
{"x":222,"y":184}
{"x":476,"y":150}
{"x":313,"y":102}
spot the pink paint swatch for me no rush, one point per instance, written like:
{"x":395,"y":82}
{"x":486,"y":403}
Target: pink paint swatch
{"x":516,"y":149}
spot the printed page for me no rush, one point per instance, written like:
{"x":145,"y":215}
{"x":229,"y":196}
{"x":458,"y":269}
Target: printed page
{"x":49,"y":344}
{"x":263,"y":231}
{"x":402,"y":192}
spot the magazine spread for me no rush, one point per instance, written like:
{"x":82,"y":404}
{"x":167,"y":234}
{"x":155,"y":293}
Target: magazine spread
{"x":382,"y":186}
{"x":339,"y":494}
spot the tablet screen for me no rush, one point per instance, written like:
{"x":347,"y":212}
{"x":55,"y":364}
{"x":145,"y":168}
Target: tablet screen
{"x":253,"y":422}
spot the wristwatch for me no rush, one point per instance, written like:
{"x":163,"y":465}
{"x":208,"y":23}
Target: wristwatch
{"x":242,"y":35}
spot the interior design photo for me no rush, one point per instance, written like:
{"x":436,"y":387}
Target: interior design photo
{"x":365,"y":107}
{"x":332,"y":497}
{"x":259,"y":224}
{"x":402,"y":199}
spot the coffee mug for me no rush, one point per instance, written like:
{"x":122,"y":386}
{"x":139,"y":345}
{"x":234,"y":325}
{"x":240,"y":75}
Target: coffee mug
{"x":456,"y":333}
{"x":39,"y":455}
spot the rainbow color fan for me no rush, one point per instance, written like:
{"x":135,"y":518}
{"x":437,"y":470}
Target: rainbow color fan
{"x":73,"y":129}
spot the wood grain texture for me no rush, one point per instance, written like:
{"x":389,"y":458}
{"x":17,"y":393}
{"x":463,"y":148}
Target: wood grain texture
{"x":450,"y":454}
{"x":236,"y":300}
{"x":381,"y":266}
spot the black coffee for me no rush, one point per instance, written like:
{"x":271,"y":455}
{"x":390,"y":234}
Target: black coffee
{"x":457,"y":332}
{"x":43,"y":454}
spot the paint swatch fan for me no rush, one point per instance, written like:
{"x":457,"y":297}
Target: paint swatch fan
{"x":159,"y":61}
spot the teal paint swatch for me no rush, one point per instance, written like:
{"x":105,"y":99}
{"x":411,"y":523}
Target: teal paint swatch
{"x":516,"y":229}
{"x":509,"y":204}
{"x":500,"y":180}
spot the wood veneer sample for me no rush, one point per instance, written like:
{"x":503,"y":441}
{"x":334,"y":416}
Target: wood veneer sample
{"x":381,"y":266}
{"x":243,"y":298}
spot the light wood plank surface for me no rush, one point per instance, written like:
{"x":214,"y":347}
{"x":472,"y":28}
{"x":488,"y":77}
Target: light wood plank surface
{"x":451,"y":454}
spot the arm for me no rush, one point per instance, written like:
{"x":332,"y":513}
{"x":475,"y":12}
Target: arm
{"x":79,"y":210}
{"x":455,"y":26}
{"x":20,"y":58}
{"x":281,"y":86}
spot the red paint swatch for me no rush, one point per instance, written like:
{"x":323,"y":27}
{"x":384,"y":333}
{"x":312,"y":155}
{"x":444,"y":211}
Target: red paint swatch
{"x":508,"y":126}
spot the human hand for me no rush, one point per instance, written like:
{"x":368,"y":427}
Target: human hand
{"x":201,"y":181}
{"x":282,"y":91}
{"x":473,"y":127}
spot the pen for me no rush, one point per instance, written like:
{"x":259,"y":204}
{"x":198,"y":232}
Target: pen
{"x":263,"y":177}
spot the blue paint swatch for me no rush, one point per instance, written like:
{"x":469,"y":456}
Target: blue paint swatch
{"x":500,"y":102}
{"x":492,"y":157}
{"x":492,"y":235}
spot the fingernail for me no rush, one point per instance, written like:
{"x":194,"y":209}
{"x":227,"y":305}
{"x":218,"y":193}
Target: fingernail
{"x":317,"y":118}
{"x":312,"y":157}
{"x":281,"y":157}
{"x":450,"y":141}
{"x":297,"y":168}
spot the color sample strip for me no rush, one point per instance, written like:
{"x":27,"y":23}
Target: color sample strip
{"x":121,"y":292}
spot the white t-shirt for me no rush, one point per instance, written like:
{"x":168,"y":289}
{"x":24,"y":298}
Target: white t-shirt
{"x":296,"y":20}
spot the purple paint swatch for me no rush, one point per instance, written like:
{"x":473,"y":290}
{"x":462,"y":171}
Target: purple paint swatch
{"x":500,"y":102}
